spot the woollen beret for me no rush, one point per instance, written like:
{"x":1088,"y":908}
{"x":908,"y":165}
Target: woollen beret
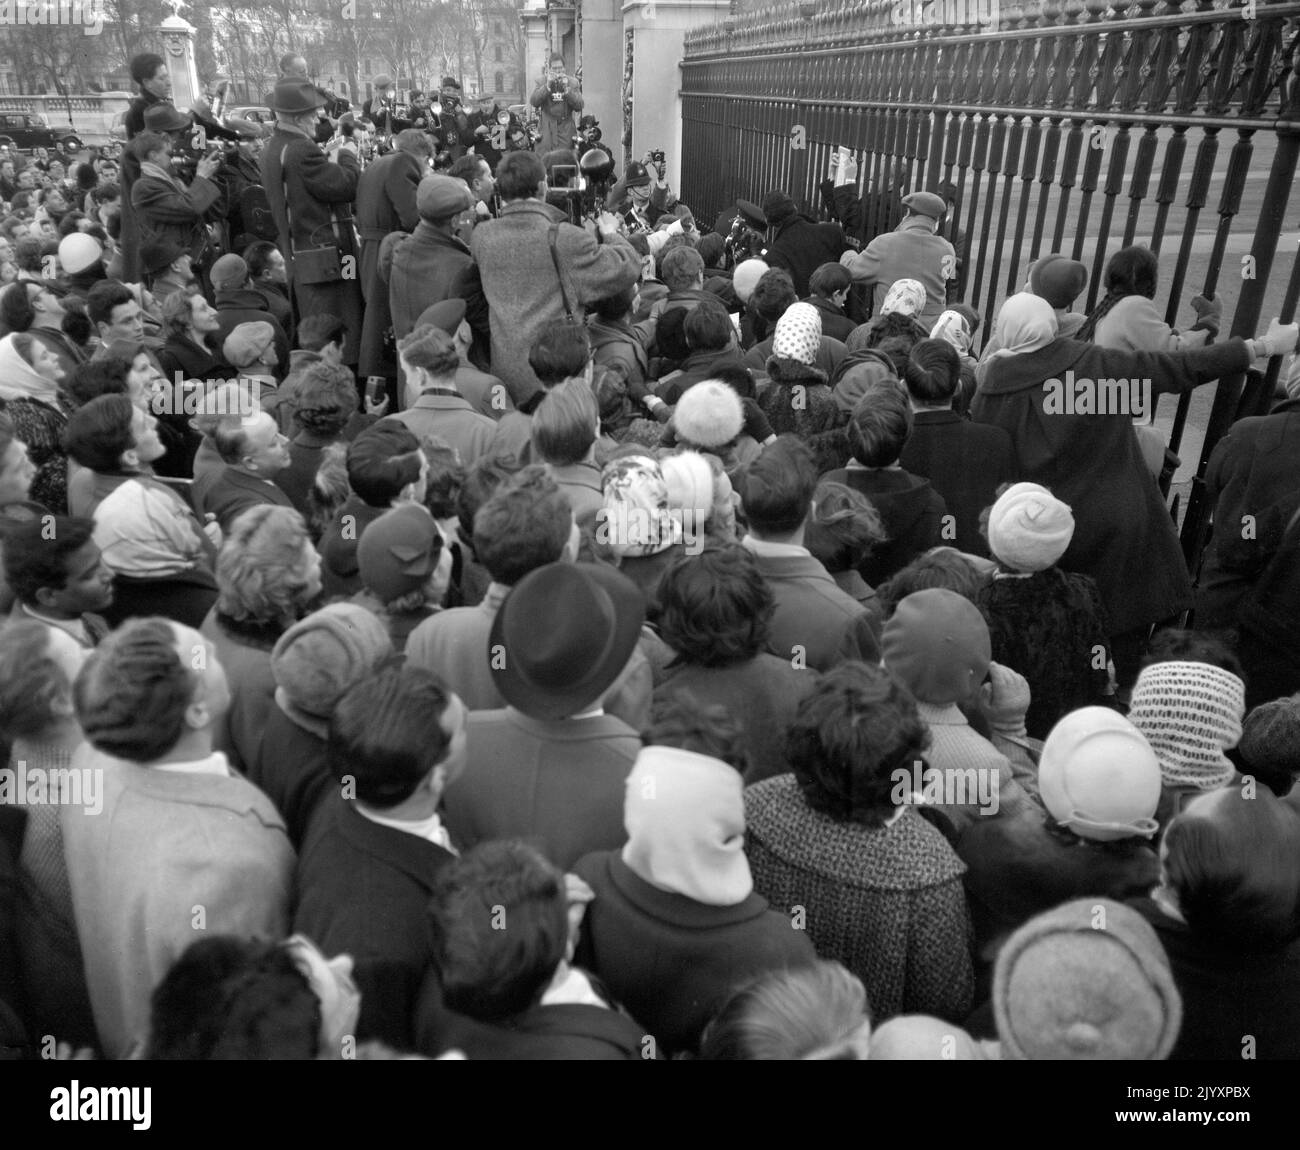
{"x":398,"y":552}
{"x":1087,"y":980}
{"x":230,"y":271}
{"x":1270,"y":737}
{"x":445,"y":315}
{"x":937,"y":645}
{"x":1058,"y":279}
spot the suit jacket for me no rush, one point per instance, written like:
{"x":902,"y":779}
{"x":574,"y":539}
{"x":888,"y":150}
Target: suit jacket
{"x":513,"y":254}
{"x":558,"y":784}
{"x":363,"y":889}
{"x":227,"y":492}
{"x":813,"y":619}
{"x":451,"y":418}
{"x":165,"y":847}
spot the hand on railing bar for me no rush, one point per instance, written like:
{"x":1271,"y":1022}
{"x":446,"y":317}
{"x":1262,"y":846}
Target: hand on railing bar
{"x":1209,"y":313}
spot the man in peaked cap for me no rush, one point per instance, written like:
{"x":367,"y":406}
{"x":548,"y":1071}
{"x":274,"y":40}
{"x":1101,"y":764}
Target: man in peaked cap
{"x":912,"y":251}
{"x":317,"y":191}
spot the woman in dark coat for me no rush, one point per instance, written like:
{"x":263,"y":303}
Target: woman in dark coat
{"x":1225,"y":913}
{"x":675,"y":924}
{"x":1044,"y":391}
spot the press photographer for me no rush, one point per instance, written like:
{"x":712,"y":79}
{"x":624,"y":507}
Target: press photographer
{"x":452,"y":123}
{"x":556,"y":98}
{"x":167,"y":209}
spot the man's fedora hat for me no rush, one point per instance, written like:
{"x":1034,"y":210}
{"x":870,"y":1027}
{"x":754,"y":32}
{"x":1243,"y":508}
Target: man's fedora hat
{"x":563,"y":636}
{"x":296,"y":94}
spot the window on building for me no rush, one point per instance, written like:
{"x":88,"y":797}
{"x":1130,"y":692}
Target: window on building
{"x":496,"y":53}
{"x":496,"y":27}
{"x":366,"y":67}
{"x":499,"y":80}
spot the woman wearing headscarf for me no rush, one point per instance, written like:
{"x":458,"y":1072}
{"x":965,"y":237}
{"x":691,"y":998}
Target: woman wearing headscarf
{"x":1045,"y":391}
{"x":675,"y":923}
{"x":29,"y":386}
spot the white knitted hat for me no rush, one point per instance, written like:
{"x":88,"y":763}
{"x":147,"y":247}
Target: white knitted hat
{"x":1190,"y":713}
{"x":798,"y":334}
{"x":1029,"y":528}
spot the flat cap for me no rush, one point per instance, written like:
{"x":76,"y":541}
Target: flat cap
{"x":926,"y":204}
{"x":439,"y":197}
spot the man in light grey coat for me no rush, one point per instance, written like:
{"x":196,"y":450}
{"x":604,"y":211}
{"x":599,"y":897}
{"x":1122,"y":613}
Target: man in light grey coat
{"x":514,"y":258}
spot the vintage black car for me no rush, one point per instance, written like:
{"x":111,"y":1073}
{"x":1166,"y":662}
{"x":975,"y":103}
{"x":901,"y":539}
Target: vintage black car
{"x":27,"y":130}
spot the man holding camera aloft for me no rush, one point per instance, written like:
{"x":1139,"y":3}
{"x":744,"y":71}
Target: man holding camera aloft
{"x":451,"y":122}
{"x":556,"y":98}
{"x":166,"y":210}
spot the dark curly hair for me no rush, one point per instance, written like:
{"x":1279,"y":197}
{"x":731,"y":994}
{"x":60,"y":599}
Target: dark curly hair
{"x":679,"y":719}
{"x":233,"y":998}
{"x":855,"y":728}
{"x":715,"y":607}
{"x":844,"y":528}
{"x":1175,"y":645}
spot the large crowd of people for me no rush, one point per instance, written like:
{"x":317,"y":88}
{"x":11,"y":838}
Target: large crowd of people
{"x":457,"y":603}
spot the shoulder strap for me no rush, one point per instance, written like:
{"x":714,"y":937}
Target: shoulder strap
{"x":284,"y":188}
{"x":555,"y":259}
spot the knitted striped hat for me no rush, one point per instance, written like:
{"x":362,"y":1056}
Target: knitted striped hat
{"x":798,"y":333}
{"x":1190,"y":713}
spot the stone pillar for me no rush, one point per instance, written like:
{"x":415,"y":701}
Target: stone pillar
{"x":658,"y":30}
{"x":602,"y":70}
{"x":178,"y":50}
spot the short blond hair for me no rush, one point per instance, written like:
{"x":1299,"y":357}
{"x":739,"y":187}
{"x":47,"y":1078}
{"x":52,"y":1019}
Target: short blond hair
{"x":260,"y":568}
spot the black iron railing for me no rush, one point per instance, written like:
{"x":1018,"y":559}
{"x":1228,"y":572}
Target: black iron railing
{"x":1078,"y":126}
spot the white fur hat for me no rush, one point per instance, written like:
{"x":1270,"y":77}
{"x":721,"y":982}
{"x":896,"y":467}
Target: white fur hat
{"x":709,"y":414}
